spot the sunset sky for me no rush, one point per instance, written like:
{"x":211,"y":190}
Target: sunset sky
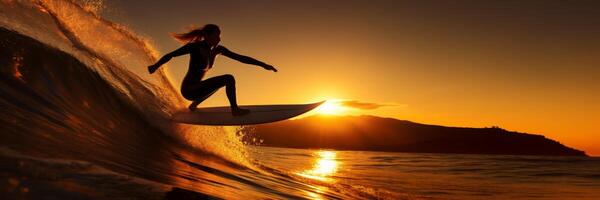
{"x":527,"y":66}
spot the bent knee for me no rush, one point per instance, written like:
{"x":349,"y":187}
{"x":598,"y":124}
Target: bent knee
{"x":229,"y":78}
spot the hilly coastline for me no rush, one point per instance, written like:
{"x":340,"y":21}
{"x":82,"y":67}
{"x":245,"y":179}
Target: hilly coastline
{"x":370,"y":133}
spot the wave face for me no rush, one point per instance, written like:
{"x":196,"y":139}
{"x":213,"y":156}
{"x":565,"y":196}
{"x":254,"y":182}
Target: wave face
{"x":91,"y":77}
{"x":74,"y":86}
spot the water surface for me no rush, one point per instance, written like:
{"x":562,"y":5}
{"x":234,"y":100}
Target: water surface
{"x":444,"y":176}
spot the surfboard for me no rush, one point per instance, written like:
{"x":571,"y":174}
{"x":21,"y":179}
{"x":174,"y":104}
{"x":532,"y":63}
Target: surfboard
{"x":259,"y":114}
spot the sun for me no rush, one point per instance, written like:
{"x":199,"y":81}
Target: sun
{"x":330,"y":108}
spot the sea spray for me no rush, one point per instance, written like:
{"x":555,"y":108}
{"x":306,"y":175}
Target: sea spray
{"x":120,"y":57}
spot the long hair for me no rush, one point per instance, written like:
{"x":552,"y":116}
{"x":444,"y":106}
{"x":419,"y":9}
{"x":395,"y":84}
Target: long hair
{"x":197,"y":34}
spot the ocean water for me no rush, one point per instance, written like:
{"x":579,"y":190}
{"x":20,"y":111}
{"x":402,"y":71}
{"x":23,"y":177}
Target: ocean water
{"x":442,"y":176}
{"x":80,"y":118}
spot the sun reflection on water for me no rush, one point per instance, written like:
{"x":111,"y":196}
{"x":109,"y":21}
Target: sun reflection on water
{"x":325,"y":165}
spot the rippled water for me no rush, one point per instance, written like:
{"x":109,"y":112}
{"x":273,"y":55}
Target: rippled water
{"x":82,"y":119}
{"x":443,"y":176}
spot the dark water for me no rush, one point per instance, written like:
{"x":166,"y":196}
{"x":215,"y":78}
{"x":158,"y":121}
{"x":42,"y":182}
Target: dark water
{"x":81,"y":118}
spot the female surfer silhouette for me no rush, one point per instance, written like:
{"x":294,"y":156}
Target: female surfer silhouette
{"x":203,"y":46}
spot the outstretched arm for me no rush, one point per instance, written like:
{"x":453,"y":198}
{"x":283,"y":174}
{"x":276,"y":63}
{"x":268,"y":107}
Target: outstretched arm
{"x":245,"y":59}
{"x":181,"y":51}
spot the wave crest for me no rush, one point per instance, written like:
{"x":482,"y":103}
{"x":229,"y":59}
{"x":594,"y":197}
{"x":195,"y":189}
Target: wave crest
{"x":119,"y":58}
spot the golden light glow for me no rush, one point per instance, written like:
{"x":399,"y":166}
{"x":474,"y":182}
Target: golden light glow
{"x":325,"y":165}
{"x":318,"y":190}
{"x":406,"y":69}
{"x":331,"y":107}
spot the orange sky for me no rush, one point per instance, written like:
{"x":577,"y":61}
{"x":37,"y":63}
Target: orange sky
{"x":524,"y":66}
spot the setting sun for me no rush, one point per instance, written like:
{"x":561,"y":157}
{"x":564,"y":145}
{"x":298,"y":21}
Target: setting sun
{"x":346,"y":99}
{"x":331,"y":107}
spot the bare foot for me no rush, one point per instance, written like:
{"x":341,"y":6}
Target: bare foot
{"x":239,"y":111}
{"x":193,"y":106}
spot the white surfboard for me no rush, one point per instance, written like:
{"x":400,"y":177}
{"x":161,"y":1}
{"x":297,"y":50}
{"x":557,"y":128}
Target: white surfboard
{"x":221,"y":116}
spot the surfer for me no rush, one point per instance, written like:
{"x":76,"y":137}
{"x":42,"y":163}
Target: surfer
{"x":203,"y":46}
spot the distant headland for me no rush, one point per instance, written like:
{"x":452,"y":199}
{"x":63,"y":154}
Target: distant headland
{"x":370,"y":133}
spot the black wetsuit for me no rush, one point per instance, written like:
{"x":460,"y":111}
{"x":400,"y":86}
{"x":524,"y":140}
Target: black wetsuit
{"x":202,"y":58}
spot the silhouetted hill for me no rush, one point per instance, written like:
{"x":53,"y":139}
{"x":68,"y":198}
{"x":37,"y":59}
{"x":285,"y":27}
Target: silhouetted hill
{"x":386,"y":134}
